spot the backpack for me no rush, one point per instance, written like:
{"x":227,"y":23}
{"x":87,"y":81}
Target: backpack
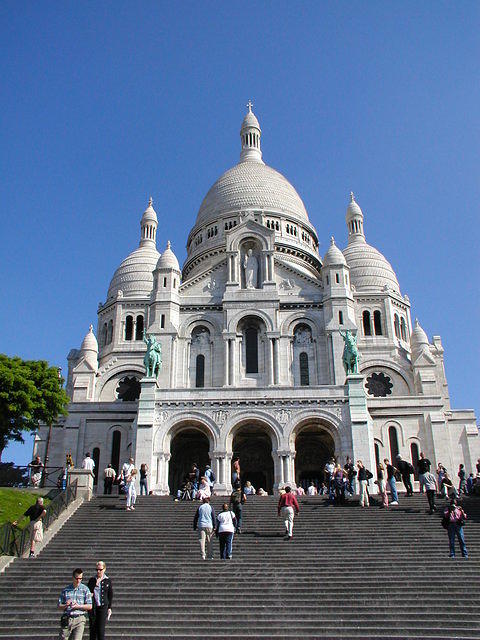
{"x":211,"y":476}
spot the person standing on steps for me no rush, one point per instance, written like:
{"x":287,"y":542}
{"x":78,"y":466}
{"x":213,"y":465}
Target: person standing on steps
{"x":363,"y":476}
{"x":392,"y":482}
{"x":382,"y":485}
{"x":454,"y":518}
{"x":75,"y":600}
{"x":406,"y":469}
{"x":225,"y":529}
{"x":88,"y":463}
{"x":143,"y":478}
{"x":100,"y":587}
{"x":109,"y":476}
{"x":210,"y":476}
{"x":351,"y":472}
{"x":236,"y":470}
{"x":423,"y":466}
{"x":36,"y":470}
{"x":430,"y":484}
{"x":36,"y":513}
{"x":462,"y":485}
{"x":287,"y":505}
{"x":124,"y":473}
{"x":205,"y":522}
{"x":237,"y":498}
{"x":131,"y":490}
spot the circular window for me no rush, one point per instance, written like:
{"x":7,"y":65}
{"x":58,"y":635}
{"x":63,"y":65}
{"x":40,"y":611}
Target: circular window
{"x":128,"y":389}
{"x":379,"y":385}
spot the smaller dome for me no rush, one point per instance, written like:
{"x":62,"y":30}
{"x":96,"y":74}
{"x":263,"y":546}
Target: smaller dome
{"x":419,"y":338}
{"x":90,"y":342}
{"x":168,"y":260}
{"x":353,"y":209}
{"x":369,"y":269}
{"x":333,"y":255}
{"x":149,"y":215}
{"x":135,"y":275}
{"x":250,"y":120}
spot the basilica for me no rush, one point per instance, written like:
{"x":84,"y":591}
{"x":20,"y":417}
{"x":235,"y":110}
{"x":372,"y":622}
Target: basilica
{"x":251,"y":332}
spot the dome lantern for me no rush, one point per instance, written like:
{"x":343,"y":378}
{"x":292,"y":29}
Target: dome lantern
{"x":354,"y":219}
{"x":250,"y":134}
{"x":148,"y":225}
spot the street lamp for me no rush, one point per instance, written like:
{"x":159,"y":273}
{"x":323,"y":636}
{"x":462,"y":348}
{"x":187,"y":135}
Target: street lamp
{"x":47,"y":448}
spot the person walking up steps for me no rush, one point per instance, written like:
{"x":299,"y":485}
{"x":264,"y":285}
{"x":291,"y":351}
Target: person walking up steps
{"x":131,"y":490}
{"x":237,"y":498}
{"x":225,"y":529}
{"x":287,"y":505}
{"x":392,"y":482}
{"x":205,"y":521}
{"x":454,"y":518}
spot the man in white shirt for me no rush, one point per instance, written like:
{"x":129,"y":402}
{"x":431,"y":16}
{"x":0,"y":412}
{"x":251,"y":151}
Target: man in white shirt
{"x":88,"y":463}
{"x":312,"y":490}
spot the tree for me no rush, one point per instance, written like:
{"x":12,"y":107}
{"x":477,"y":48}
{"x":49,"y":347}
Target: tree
{"x":31,"y":393}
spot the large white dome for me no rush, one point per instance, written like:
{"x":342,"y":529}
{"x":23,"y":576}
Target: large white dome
{"x":251,"y":185}
{"x":369,"y":269}
{"x":135,"y":275}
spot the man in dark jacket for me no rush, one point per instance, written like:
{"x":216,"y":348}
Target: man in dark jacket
{"x":100,"y":587}
{"x":237,"y":498}
{"x":406,"y":469}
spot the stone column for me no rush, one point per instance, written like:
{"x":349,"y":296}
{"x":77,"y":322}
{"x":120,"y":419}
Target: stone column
{"x":166,"y":468}
{"x":173,"y":363}
{"x":84,"y":479}
{"x":275,"y":360}
{"x":187,"y":364}
{"x":226,"y":361}
{"x":361,"y":425}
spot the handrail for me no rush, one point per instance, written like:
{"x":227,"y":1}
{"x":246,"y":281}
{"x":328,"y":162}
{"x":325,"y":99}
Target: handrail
{"x":21,"y":476}
{"x":13,"y":540}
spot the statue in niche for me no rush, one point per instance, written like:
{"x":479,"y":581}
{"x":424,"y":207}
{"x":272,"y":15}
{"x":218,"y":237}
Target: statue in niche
{"x":250,"y":265}
{"x":201,"y":338}
{"x":303,"y":336}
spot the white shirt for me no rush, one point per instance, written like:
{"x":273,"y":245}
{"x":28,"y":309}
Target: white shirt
{"x":127,"y":470}
{"x":330,"y":467}
{"x":225,"y":522}
{"x":312,"y":491}
{"x":88,"y":464}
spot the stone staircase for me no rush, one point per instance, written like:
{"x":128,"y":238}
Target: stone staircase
{"x":348,"y":573}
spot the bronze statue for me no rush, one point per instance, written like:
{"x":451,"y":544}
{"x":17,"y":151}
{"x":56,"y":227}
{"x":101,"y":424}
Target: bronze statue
{"x":153,"y":357}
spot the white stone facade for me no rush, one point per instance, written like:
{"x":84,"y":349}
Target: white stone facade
{"x":252,"y":350}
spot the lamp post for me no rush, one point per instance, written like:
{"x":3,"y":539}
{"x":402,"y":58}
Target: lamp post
{"x":47,"y":448}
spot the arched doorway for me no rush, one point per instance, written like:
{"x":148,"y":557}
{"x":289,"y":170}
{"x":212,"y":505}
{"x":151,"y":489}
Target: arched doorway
{"x":253,"y":446}
{"x":187,"y":447}
{"x":314,"y":446}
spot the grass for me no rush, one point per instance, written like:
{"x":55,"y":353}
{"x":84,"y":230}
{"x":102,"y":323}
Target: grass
{"x":14,"y":503}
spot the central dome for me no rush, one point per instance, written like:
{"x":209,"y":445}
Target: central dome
{"x":251,"y":185}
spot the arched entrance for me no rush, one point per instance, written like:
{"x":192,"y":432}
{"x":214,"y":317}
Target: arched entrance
{"x":253,"y":446}
{"x":187,"y":447}
{"x":314,"y":447}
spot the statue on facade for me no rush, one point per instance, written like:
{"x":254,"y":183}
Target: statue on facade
{"x":351,"y":355}
{"x":250,"y":265}
{"x":153,"y":357}
{"x":303,"y":336}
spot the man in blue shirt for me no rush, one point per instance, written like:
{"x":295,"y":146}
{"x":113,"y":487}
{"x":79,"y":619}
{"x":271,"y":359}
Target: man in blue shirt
{"x":75,"y":600}
{"x":204,"y":520}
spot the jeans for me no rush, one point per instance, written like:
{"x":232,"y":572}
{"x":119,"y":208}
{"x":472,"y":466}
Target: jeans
{"x":431,"y":499}
{"x":408,"y":485}
{"x":237,"y":510}
{"x":456,"y":530}
{"x":226,"y":540}
{"x":205,"y":536}
{"x":143,"y":486}
{"x":393,"y":488}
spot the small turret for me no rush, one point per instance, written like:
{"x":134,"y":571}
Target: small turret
{"x":250,"y":134}
{"x":148,"y":225}
{"x":89,"y":349}
{"x":354,"y":219}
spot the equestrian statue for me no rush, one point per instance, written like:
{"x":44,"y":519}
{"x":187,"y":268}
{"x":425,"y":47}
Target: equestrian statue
{"x":153,"y":357}
{"x":351,"y":355}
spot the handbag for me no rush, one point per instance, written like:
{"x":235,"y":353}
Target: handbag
{"x":37,"y":531}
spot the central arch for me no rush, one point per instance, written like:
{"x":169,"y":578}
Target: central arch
{"x":253,"y":445}
{"x":188,"y":446}
{"x":314,"y":446}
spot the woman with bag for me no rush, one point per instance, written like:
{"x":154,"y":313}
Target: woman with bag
{"x":454,"y":518}
{"x":226,"y":523}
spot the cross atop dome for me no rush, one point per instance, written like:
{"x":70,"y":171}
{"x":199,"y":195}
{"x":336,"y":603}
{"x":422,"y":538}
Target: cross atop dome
{"x":249,"y":105}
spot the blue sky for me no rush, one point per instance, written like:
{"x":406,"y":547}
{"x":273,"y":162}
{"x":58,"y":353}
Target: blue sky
{"x":105,"y":104}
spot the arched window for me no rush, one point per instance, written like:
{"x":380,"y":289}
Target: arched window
{"x":377,"y":323}
{"x":96,"y":459}
{"x":396,"y":324}
{"x":110,"y":332}
{"x":403,"y":329}
{"x":129,"y":328}
{"x":367,"y":328}
{"x":200,"y":371}
{"x":104,"y":334}
{"x":304,"y":373}
{"x":392,"y":436}
{"x":251,"y":350}
{"x":377,"y":455}
{"x":116,"y":442}
{"x":139,"y":328}
{"x":415,"y":458}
